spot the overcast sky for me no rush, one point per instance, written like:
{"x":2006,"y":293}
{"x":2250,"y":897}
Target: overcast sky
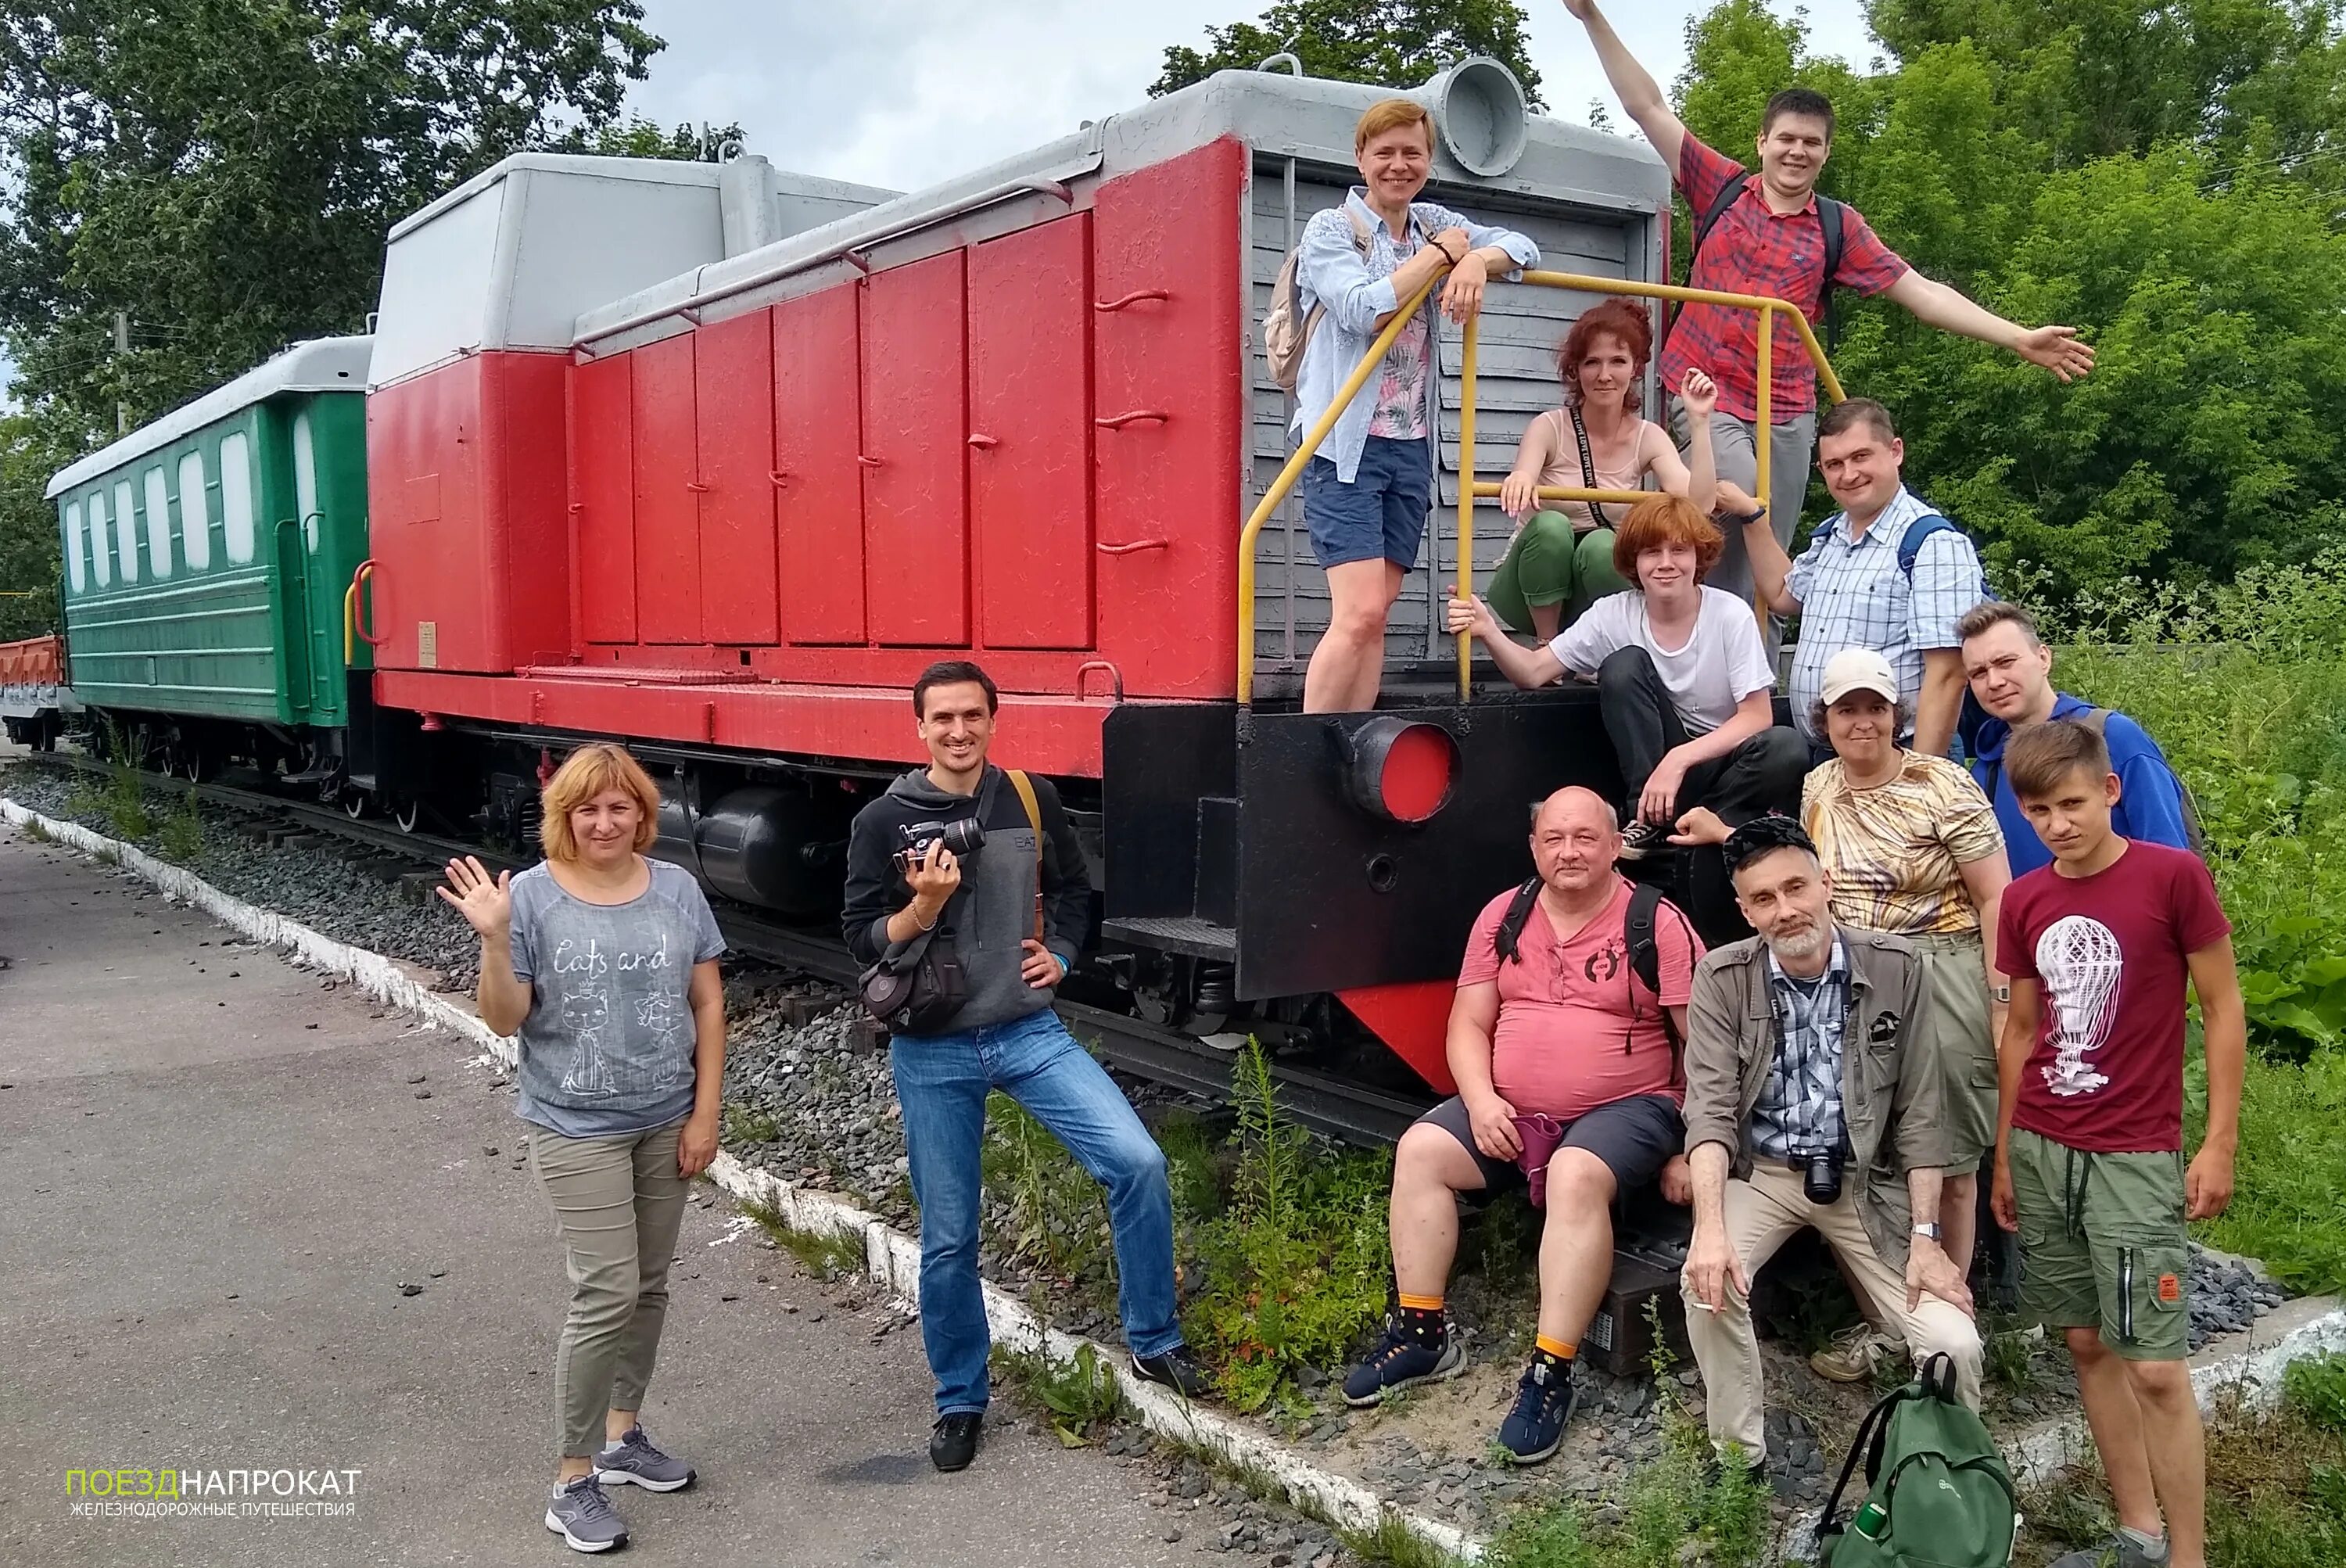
{"x":905,"y":93}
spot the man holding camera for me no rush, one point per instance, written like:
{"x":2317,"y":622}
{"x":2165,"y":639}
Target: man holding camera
{"x":1812,"y":1102}
{"x":962,"y":856}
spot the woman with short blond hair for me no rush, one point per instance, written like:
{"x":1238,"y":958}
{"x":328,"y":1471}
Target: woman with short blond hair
{"x":601,"y":965}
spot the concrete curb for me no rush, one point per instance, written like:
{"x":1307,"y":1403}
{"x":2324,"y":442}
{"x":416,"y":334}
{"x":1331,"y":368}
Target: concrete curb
{"x":891,"y":1258}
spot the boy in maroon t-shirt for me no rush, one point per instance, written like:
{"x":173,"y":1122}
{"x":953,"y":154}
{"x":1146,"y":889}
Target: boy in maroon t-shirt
{"x":2089,"y":1135}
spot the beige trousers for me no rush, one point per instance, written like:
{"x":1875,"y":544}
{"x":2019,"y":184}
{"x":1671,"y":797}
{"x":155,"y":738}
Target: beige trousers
{"x":1762,"y":1213}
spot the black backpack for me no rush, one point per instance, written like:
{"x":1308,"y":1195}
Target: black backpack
{"x":1831,"y":216}
{"x":1637,"y":935}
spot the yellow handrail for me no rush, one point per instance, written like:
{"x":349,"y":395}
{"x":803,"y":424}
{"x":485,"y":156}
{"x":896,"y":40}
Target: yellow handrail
{"x":1469,"y":487}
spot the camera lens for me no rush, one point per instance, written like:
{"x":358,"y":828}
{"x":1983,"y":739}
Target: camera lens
{"x":963,"y":834}
{"x":1821,"y":1180}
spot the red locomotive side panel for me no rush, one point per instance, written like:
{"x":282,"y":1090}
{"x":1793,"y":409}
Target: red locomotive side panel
{"x":467,"y":491}
{"x":734,"y":380}
{"x":1030,"y":436}
{"x":602,"y":394}
{"x":915,"y":498}
{"x":668,"y":503}
{"x":817,"y":436}
{"x":1170,"y":355}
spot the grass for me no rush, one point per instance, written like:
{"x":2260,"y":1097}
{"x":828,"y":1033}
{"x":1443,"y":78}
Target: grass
{"x":826,"y":1254}
{"x":1672,"y":1512}
{"x":2275,"y":1484}
{"x":39,"y":834}
{"x":1077,"y":1393}
{"x":182,"y":832}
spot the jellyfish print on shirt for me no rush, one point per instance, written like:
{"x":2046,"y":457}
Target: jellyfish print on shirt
{"x":2081,"y":961}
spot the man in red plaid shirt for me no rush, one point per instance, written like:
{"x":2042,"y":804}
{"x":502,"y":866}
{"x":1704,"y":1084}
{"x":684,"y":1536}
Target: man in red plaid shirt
{"x":1771,"y":240}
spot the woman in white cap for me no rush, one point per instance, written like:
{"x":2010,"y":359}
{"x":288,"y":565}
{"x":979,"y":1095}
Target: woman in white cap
{"x":1912,"y":849}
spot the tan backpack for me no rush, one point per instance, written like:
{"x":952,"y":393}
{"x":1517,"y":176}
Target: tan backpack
{"x":1286,"y":332}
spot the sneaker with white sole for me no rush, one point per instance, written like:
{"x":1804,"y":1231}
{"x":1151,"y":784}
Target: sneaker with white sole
{"x":584,"y":1517}
{"x":636,"y":1463}
{"x":1854,"y":1353}
{"x":1644,"y":841}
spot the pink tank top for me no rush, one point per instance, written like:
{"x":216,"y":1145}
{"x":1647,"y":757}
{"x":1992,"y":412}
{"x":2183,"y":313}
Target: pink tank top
{"x":1565,"y":470}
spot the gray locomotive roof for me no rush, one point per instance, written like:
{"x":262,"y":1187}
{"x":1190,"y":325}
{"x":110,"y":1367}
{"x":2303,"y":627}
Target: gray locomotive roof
{"x":646,"y":170}
{"x":1308,"y":119}
{"x":321,"y":364}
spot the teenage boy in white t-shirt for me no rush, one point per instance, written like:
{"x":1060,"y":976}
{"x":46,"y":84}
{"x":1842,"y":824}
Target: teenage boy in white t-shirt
{"x":1684,"y":682}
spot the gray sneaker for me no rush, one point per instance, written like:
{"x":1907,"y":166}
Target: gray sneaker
{"x":2120,"y":1551}
{"x":634,"y":1461}
{"x":585,"y":1518}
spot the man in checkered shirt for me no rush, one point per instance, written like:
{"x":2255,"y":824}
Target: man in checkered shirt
{"x":1770,"y":241}
{"x":1850,"y":589}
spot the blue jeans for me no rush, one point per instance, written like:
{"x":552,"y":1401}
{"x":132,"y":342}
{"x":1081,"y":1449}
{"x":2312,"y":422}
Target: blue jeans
{"x":942,"y":1082}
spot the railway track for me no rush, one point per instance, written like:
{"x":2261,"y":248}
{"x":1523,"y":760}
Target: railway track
{"x":1323,"y":1101}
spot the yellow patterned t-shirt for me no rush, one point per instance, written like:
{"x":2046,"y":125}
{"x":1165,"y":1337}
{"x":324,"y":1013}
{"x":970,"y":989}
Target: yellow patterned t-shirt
{"x":1894,"y":850}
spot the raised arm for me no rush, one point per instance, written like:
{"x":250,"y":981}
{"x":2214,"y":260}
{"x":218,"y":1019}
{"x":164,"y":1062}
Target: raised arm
{"x":1936,"y":305}
{"x":1771,"y":570}
{"x":1695,"y":477}
{"x":1641,"y":95}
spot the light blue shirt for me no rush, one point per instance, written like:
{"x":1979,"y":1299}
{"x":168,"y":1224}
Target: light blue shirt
{"x":1853,"y":594}
{"x":1356,"y":290}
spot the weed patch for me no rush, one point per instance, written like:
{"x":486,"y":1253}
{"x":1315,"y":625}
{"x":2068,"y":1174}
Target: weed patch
{"x":1078,"y":1393}
{"x":39,"y":834}
{"x":1296,"y":1265}
{"x":2315,"y":1389}
{"x":826,"y":1256}
{"x":183,"y":831}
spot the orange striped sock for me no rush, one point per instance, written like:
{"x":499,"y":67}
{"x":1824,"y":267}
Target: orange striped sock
{"x":1555,"y":1348}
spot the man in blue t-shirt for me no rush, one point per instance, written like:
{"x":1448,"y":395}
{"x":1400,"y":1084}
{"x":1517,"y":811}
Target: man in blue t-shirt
{"x":2011,"y":674}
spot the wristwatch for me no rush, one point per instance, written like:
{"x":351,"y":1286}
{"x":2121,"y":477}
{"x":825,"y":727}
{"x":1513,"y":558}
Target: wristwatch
{"x":1745,"y":522}
{"x":2000,"y":994}
{"x":1930,"y":1230}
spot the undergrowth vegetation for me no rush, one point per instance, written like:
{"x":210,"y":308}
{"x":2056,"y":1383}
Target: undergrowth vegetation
{"x":1677,"y":1509}
{"x":2244,"y":687}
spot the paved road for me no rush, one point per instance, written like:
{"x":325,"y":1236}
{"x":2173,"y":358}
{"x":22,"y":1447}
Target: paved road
{"x":222,"y":1171}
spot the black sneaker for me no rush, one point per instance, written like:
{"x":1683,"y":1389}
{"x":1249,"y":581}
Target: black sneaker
{"x":1543,"y":1399}
{"x":1399,"y":1363}
{"x":1644,"y":841}
{"x":1177,"y":1369}
{"x":953,"y":1443}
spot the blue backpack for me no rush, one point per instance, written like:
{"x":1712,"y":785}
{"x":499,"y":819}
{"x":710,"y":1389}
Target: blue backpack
{"x":1910,"y":548}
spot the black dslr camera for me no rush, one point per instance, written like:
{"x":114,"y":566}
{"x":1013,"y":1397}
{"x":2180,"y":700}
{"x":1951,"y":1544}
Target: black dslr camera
{"x":963,"y":836}
{"x":1820,"y":1176}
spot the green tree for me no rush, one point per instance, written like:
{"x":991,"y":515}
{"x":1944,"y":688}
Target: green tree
{"x":1391,"y":43}
{"x":28,"y":529}
{"x":224,"y":170}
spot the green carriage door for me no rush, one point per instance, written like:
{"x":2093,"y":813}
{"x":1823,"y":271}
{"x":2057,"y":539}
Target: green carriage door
{"x":313,"y":564}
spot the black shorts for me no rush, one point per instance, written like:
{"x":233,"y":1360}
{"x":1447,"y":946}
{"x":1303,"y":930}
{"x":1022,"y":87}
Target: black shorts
{"x":1635,"y":1137}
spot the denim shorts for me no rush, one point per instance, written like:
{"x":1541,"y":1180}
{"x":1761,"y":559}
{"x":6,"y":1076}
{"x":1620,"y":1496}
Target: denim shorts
{"x":1381,"y":514}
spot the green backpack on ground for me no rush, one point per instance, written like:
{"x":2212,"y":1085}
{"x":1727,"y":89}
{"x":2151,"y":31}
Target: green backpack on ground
{"x":1938,"y":1495}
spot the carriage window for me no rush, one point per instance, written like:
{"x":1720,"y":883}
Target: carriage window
{"x":195,"y":513}
{"x":305,"y":480}
{"x":126,"y":531}
{"x":159,"y":524}
{"x":236,"y":498}
{"x":73,"y":545}
{"x":101,"y":557}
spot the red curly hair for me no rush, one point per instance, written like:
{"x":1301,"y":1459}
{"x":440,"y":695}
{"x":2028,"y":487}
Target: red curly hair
{"x":1661,"y":520}
{"x":1615,"y":318}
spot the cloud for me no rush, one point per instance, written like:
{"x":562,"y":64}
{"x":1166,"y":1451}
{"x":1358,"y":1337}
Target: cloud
{"x":903,"y":94}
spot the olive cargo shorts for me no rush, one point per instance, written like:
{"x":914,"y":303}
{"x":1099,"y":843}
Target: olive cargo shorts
{"x":2103,"y":1246}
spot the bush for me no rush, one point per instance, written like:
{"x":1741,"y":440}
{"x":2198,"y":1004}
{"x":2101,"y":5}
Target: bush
{"x":2315,"y":1388}
{"x":2288,"y":1207}
{"x":1296,"y":1266}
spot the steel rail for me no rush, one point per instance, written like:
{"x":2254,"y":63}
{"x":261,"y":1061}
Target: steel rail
{"x":1329,"y":1104}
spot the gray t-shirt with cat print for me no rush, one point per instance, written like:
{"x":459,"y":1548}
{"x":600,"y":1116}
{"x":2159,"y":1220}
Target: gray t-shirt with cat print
{"x":607,"y":1048}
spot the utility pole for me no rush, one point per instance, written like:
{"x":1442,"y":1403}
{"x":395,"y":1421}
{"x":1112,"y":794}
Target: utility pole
{"x":121,"y":349}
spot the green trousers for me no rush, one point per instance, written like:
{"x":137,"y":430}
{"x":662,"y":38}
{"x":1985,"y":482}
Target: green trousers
{"x":1549,"y":564}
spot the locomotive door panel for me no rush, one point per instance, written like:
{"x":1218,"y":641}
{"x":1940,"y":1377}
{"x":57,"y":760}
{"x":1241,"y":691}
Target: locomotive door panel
{"x":668,"y":509}
{"x":817,"y":480}
{"x":601,"y":400}
{"x":915,"y":501}
{"x":1030,"y":436}
{"x":734,"y":382}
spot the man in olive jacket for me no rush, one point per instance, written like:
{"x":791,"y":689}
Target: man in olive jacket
{"x":1809,"y":1104}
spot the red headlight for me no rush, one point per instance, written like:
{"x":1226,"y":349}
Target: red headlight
{"x":1402,"y":769}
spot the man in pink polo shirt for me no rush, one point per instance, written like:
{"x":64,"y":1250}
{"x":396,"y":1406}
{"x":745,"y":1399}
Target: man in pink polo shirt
{"x":1771,"y":236}
{"x":1566,"y":1058}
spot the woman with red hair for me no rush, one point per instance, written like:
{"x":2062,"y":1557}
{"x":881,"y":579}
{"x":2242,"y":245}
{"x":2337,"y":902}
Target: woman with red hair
{"x":1685,"y":688}
{"x":1561,"y":560}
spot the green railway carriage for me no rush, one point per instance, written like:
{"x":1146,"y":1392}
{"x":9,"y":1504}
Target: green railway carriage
{"x":207,"y":555}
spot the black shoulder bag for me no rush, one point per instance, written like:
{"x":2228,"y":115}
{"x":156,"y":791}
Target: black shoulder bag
{"x":920,"y":988}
